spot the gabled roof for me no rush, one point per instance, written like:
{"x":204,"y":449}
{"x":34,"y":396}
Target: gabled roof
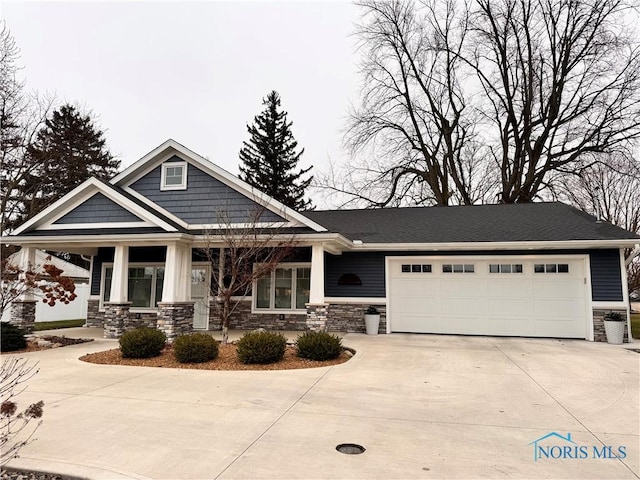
{"x":146,"y":217}
{"x":170,"y":148}
{"x":532,"y":222}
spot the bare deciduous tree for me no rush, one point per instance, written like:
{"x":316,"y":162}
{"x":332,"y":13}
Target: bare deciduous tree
{"x":610,"y":190}
{"x":22,"y":114}
{"x":413,"y":121}
{"x":14,"y":433}
{"x":561,"y":80}
{"x":491,"y":100}
{"x":238,"y":256}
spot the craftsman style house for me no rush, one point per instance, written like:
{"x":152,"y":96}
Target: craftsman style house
{"x":539,"y":270}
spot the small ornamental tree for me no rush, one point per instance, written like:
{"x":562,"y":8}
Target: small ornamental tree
{"x":270,"y":160}
{"x":46,"y":280}
{"x":238,"y":257}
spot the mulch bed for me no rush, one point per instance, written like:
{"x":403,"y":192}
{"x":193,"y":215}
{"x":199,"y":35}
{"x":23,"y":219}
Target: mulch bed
{"x":227,"y":360}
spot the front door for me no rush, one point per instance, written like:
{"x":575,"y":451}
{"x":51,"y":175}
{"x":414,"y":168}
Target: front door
{"x":200,"y":295}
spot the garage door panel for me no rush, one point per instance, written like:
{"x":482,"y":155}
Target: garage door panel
{"x":508,"y":306}
{"x":556,"y":307}
{"x":512,"y":327}
{"x":416,"y":287}
{"x":512,"y":289}
{"x":419,"y":306}
{"x":463,"y":306}
{"x":483,"y":303}
{"x":558,"y":289}
{"x":559,"y":328}
{"x":471,"y":286}
{"x":462,"y":324}
{"x":421,"y":323}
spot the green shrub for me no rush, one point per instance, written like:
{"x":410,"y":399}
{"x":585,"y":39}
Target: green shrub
{"x":12,"y":337}
{"x":319,"y":346}
{"x":142,"y":342}
{"x":195,"y":348}
{"x":261,"y":347}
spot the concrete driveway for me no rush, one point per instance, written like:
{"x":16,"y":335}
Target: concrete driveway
{"x":423,"y":406}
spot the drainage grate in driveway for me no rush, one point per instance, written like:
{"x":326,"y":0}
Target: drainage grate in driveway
{"x":350,"y":448}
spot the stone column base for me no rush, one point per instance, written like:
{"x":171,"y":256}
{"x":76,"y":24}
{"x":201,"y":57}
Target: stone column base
{"x":23,"y":314}
{"x":175,"y":318}
{"x":317,"y":316}
{"x":94,"y":316}
{"x":116,"y":318}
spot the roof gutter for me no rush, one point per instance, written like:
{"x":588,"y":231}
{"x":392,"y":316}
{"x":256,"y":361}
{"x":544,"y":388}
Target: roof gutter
{"x":527,"y":245}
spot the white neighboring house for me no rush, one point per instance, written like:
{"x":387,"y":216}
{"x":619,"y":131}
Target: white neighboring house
{"x":74,"y":310}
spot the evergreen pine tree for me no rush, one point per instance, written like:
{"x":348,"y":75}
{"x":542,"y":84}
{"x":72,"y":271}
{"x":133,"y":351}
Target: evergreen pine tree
{"x":66,"y":152}
{"x":269,"y":158}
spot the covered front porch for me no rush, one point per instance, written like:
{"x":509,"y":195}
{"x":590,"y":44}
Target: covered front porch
{"x":171,"y":286}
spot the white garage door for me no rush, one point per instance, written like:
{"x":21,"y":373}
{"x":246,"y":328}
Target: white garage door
{"x":532,"y":296}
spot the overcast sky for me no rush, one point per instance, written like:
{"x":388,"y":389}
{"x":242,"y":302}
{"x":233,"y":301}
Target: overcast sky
{"x":194,"y":72}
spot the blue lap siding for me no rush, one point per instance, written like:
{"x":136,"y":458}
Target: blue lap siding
{"x":606,"y":280}
{"x":98,"y":209}
{"x":203,"y":200}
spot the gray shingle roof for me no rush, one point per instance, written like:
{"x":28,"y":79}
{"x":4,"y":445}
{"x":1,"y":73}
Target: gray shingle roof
{"x":476,"y":223}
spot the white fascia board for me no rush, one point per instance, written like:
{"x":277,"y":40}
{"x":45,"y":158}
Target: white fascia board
{"x":171,"y":147}
{"x":82,"y":193}
{"x":93,"y":241}
{"x":533,"y":245}
{"x":331,"y":242}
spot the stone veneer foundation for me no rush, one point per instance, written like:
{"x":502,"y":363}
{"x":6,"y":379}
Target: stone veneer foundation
{"x":95,"y":318}
{"x":339,"y":318}
{"x":23,"y":315}
{"x":599,"y":334}
{"x":116,"y":319}
{"x":175,"y":319}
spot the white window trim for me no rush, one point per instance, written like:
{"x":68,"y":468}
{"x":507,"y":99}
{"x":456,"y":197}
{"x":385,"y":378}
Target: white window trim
{"x":181,"y":186}
{"x":272,"y":293}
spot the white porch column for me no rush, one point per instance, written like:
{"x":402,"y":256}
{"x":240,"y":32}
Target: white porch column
{"x":175,"y":312}
{"x":27,"y":261}
{"x":316,"y":295}
{"x":177,"y":274}
{"x":23,"y":308}
{"x":120,"y":278}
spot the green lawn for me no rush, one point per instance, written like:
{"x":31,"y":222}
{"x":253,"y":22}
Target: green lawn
{"x":59,"y":324}
{"x":635,"y":325}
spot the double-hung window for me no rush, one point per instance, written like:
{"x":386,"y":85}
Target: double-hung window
{"x":286,"y":288}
